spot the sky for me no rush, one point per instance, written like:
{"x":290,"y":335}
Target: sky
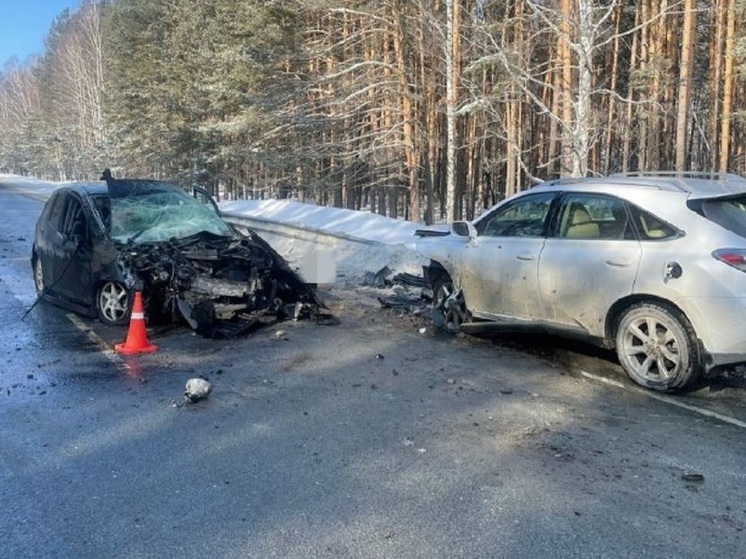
{"x":24,"y":25}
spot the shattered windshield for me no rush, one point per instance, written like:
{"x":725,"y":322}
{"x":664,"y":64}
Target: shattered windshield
{"x":151,"y":212}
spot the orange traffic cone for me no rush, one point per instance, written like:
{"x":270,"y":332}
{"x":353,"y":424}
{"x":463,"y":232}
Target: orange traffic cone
{"x":137,"y":338}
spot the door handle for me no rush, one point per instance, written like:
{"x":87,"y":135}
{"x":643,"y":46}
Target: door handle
{"x":619,"y":263}
{"x":526,"y":256}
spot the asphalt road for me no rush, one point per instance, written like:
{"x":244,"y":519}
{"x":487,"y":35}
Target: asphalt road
{"x":366,"y":439}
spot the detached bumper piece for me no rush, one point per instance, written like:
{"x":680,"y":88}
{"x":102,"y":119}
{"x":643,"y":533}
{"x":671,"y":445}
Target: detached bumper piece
{"x":223,"y":287}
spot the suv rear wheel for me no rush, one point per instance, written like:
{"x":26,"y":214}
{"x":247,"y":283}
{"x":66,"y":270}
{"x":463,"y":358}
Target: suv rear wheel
{"x":657,"y":347}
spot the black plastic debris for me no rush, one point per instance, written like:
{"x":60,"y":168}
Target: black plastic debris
{"x":378,"y":279}
{"x":693,"y":477}
{"x":409,"y":280}
{"x":408,"y":302}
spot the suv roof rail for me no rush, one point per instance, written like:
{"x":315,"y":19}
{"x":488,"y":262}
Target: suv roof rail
{"x":692,"y":181}
{"x":696,"y":183}
{"x":706,"y":175}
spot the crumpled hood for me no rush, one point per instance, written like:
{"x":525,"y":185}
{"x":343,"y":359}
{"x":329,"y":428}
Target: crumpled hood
{"x":223,"y":286}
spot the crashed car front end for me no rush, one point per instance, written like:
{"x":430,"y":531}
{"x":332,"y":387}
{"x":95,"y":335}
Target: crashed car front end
{"x":221,"y":286}
{"x":190,"y":263}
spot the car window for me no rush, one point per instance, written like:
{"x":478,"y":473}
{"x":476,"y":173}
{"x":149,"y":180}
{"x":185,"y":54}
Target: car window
{"x":57,"y":211}
{"x":75,"y":226}
{"x":729,"y":213}
{"x":525,"y":217}
{"x":650,"y":227}
{"x":103,"y":205}
{"x":589,"y":216}
{"x":153,"y":214}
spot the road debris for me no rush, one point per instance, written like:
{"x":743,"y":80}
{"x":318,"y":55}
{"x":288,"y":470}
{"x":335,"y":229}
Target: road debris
{"x":197,"y":389}
{"x":693,"y":477}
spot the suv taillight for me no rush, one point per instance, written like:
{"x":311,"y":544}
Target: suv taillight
{"x":732,"y":256}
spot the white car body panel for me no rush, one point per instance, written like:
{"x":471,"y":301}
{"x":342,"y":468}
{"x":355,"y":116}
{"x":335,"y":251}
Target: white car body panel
{"x":496,"y":276}
{"x":577,"y":286}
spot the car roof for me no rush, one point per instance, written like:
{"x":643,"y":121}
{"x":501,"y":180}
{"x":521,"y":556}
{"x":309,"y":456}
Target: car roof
{"x":101,"y":188}
{"x":87,"y":188}
{"x":695,"y":184}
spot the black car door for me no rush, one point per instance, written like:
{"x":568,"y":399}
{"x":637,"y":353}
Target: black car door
{"x":49,"y":236}
{"x":72,"y":266}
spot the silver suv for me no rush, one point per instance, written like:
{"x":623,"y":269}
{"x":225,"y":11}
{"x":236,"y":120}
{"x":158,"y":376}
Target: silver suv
{"x":652,"y":265}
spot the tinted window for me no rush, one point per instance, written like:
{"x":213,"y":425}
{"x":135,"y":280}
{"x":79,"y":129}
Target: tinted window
{"x":75,"y":226}
{"x":57,"y":210}
{"x":730,"y":213}
{"x":524,"y":217}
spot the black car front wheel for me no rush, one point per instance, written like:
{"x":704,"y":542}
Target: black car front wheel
{"x":38,"y":277}
{"x":113,"y":303}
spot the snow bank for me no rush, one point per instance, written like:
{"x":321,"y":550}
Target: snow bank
{"x":349,"y":223}
{"x":355,"y":242}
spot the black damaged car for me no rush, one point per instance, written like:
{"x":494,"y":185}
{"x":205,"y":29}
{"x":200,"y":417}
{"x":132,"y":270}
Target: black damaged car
{"x":98,"y":243}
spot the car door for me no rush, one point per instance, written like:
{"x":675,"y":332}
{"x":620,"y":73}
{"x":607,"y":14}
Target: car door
{"x":73,"y":261}
{"x":589,"y":261}
{"x":48,"y":237}
{"x":500,"y":269}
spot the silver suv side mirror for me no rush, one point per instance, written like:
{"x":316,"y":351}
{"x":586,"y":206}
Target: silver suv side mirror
{"x":464,"y":229}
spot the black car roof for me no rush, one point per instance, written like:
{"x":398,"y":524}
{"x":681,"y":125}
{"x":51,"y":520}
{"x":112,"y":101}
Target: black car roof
{"x":87,"y":188}
{"x":101,"y":188}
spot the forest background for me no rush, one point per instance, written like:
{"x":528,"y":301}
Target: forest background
{"x":422,"y":109}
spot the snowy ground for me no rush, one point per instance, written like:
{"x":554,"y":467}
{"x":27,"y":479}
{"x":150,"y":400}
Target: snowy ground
{"x":328,"y":245}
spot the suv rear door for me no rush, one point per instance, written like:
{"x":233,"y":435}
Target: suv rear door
{"x":590,"y":260}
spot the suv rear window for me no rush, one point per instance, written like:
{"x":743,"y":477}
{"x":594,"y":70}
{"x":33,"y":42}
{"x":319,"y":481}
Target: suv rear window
{"x":729,"y":213}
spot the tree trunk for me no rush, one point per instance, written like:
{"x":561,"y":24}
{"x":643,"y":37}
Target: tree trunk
{"x":685,"y":83}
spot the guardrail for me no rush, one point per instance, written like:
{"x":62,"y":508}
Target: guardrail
{"x":306,"y":233}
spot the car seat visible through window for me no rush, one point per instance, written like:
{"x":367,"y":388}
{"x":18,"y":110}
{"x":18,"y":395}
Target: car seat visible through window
{"x":580,"y":225}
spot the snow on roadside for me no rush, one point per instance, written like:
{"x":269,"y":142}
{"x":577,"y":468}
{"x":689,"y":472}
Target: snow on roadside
{"x":351,"y":223}
{"x":358,"y":242}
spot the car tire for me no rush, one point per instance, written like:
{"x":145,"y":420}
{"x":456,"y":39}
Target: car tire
{"x":657,"y":347}
{"x":113,"y":303}
{"x":38,"y":277}
{"x":449,"y":306}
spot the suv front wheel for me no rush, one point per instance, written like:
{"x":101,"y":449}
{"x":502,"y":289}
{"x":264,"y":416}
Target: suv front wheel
{"x":449,"y":305}
{"x":657,"y":347}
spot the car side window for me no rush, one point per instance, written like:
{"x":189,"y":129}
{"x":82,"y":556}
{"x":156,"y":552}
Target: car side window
{"x":524,"y":217}
{"x":57,"y":212}
{"x":76,"y":225}
{"x":589,"y":216}
{"x":650,"y":227}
